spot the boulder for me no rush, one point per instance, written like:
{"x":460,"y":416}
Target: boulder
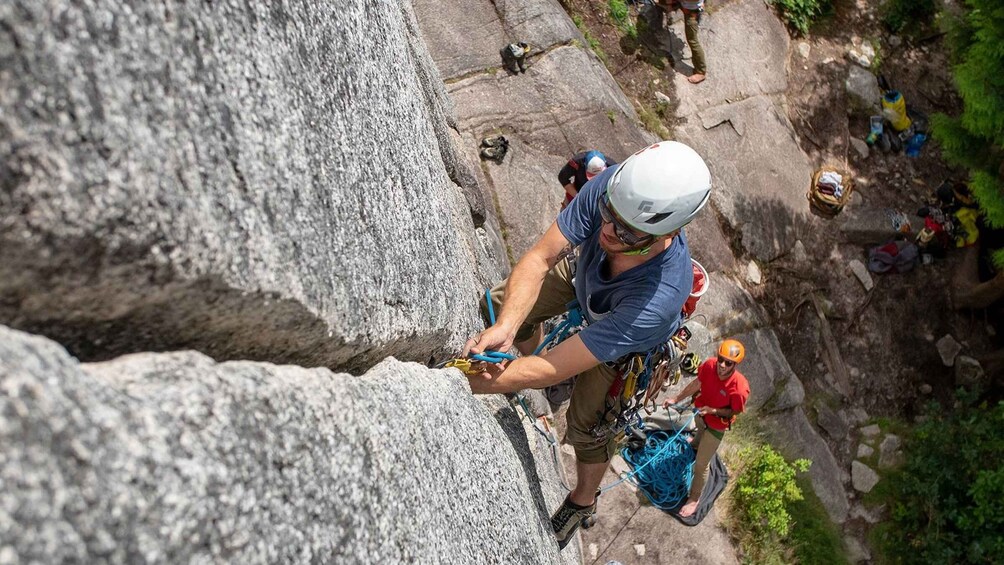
{"x":865,"y":451}
{"x":890,"y":454}
{"x":860,"y":147}
{"x":948,"y":349}
{"x":863,"y":477}
{"x":863,"y":93}
{"x":968,"y":372}
{"x":870,"y":431}
{"x":176,"y":458}
{"x":177,"y":181}
{"x":753,"y":274}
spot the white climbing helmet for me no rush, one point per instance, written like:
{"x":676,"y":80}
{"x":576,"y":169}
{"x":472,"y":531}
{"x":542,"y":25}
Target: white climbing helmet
{"x":660,"y":189}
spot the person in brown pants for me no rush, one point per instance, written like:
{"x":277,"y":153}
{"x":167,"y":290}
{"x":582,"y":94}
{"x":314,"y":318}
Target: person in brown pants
{"x":633,"y":276}
{"x":722,"y":392}
{"x":692,"y":11}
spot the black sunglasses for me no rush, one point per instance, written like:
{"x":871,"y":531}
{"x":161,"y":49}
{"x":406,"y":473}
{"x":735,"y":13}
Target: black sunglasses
{"x":726,"y":362}
{"x":621,"y":230}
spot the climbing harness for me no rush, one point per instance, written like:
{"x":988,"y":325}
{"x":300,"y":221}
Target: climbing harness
{"x":664,"y":463}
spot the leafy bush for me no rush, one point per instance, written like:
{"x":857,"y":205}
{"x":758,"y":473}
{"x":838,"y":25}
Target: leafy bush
{"x":764,"y":488}
{"x":622,"y":17}
{"x":801,"y":13}
{"x":975,"y":138}
{"x":898,"y":15}
{"x":946,"y":499}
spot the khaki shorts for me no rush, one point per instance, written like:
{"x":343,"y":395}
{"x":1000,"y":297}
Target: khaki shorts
{"x":590,"y":390}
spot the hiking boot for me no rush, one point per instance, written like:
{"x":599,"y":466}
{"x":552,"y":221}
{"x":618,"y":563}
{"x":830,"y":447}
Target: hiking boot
{"x":493,"y":141}
{"x":569,"y":517}
{"x":496,"y":154}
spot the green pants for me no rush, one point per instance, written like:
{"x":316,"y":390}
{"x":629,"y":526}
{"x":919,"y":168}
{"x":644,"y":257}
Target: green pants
{"x":691,"y":23}
{"x":590,"y":389}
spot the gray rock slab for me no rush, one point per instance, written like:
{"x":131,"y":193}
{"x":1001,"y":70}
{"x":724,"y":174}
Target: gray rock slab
{"x":175,"y":458}
{"x":773,"y":385}
{"x":856,"y":416}
{"x":747,"y":51}
{"x":833,"y":423}
{"x":863,"y":477}
{"x":708,"y":244}
{"x":623,"y":522}
{"x":528,"y":194}
{"x":563,"y":103}
{"x":726,"y":309}
{"x":793,"y":434}
{"x":180,"y":182}
{"x":865,"y":451}
{"x":872,"y":226}
{"x":465,"y":37}
{"x":759,"y":172}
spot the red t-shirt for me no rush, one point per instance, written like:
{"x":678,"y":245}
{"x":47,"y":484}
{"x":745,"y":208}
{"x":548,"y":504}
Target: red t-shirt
{"x":716,"y":393}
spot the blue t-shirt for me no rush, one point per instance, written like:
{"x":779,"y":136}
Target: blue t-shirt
{"x":638,"y":309}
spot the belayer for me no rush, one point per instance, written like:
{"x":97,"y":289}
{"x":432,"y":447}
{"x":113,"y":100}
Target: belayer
{"x":721,"y":392}
{"x":633,"y":275}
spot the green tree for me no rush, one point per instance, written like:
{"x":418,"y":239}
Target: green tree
{"x":975,"y":138}
{"x":946,"y":498}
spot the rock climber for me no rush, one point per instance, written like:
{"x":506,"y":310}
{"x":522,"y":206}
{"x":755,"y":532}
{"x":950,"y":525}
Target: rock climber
{"x":721,"y":394}
{"x":580,"y":169}
{"x":633,"y":275}
{"x":692,"y":10}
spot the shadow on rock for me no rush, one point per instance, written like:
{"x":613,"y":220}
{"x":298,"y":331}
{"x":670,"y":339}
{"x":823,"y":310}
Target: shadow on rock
{"x":513,"y":428}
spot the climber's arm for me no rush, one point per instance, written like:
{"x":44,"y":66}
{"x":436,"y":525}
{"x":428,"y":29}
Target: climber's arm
{"x":568,"y":358}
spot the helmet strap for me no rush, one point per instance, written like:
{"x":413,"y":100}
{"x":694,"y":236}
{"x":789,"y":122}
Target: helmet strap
{"x":642,"y":251}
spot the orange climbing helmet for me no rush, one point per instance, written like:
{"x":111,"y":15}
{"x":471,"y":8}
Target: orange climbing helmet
{"x":732,"y":350}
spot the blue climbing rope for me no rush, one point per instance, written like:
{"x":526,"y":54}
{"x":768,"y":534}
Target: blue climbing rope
{"x":663,"y":469}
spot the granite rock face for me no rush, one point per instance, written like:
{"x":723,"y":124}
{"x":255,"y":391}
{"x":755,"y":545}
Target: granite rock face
{"x":175,"y":458}
{"x":250,"y":179}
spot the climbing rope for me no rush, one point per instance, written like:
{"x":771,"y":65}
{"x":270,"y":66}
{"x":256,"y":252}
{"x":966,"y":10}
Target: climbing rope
{"x":662,"y":468}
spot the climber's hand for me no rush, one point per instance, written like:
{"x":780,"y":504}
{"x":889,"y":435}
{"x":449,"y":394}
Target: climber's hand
{"x":481,"y":383}
{"x":495,"y":338}
{"x":669,"y":402}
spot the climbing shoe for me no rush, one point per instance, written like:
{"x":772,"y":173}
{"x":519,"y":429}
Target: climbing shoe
{"x":569,"y":517}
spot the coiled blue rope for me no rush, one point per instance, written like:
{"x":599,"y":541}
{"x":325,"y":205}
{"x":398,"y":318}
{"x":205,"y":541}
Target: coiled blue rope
{"x":663,"y":469}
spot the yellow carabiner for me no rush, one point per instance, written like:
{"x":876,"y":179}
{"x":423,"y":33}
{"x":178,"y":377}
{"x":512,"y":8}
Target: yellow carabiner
{"x":462,"y":364}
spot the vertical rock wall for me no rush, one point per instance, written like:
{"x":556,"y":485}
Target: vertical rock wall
{"x":173,"y":458}
{"x":252,"y":179}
